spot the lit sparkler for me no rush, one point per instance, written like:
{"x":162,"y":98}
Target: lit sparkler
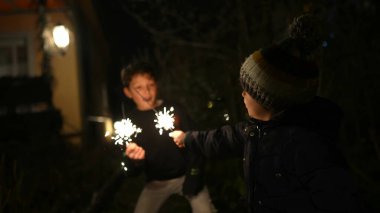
{"x":124,"y":130}
{"x":165,"y":120}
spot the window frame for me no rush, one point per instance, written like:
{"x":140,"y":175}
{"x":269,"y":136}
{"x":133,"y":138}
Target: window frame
{"x":10,"y":40}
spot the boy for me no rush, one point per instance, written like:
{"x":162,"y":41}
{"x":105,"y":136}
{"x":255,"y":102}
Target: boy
{"x":168,"y":169}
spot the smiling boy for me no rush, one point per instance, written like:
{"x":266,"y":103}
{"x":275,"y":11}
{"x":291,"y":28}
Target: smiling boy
{"x":168,"y":169}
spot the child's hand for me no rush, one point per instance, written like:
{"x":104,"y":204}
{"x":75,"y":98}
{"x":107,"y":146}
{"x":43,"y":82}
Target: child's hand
{"x":135,"y":152}
{"x":178,"y":137}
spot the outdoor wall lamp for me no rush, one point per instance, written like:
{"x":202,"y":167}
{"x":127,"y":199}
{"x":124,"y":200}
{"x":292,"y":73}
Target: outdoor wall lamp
{"x":61,"y":36}
{"x":57,"y":39}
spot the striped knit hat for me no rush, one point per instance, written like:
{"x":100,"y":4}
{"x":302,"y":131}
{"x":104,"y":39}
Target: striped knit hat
{"x":284,"y":74}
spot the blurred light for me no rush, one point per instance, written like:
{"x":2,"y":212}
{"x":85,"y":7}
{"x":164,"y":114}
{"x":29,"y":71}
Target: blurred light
{"x":210,"y":104}
{"x":324,"y":44}
{"x":226,"y":116}
{"x":56,"y":39}
{"x":61,"y":36}
{"x":124,"y":166}
{"x":107,"y":125}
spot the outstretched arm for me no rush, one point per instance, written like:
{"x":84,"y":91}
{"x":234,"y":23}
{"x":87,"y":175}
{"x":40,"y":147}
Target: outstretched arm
{"x":224,"y":141}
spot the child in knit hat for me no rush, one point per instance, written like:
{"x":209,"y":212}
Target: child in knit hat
{"x":288,"y":148}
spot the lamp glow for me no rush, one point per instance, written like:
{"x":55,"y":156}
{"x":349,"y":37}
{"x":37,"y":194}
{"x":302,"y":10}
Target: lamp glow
{"x":61,"y":36}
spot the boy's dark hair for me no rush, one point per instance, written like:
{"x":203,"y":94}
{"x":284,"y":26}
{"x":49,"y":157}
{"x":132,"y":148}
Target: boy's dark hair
{"x":138,"y":67}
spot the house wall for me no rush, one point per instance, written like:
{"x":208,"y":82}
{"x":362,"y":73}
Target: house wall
{"x":65,"y":69}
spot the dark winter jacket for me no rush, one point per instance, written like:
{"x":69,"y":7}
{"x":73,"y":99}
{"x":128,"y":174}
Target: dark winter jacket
{"x":291,"y":163}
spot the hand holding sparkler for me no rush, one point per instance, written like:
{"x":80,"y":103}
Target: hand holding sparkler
{"x":124,"y":130}
{"x":135,"y":152}
{"x":178,"y":138}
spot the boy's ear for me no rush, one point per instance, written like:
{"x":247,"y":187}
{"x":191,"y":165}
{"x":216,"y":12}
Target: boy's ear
{"x":127,"y":92}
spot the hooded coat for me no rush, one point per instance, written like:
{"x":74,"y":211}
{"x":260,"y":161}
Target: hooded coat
{"x":290,"y":163}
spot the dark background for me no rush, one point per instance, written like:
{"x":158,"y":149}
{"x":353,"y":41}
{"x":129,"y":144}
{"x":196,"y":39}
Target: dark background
{"x":198,"y":47}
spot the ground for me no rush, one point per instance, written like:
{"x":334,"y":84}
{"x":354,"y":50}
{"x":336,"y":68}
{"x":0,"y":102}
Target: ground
{"x":45,"y":173}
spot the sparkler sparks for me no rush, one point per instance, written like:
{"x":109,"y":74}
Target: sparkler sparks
{"x":165,"y":120}
{"x":124,"y":166}
{"x":124,"y":130}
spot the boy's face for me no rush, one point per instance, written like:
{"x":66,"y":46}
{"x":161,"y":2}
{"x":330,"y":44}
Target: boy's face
{"x":255,"y":110}
{"x":143,"y":91}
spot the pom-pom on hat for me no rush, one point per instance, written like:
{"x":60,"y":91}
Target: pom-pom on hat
{"x":284,"y":74}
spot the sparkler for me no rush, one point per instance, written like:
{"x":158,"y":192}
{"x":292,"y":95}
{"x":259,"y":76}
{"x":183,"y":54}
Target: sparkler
{"x":124,"y":130}
{"x":165,"y":120}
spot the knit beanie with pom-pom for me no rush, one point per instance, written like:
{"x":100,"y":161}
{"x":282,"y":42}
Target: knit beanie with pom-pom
{"x":285,"y":74}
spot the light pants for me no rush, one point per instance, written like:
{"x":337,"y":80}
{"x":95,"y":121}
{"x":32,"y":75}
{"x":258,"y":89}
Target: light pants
{"x":155,"y":193}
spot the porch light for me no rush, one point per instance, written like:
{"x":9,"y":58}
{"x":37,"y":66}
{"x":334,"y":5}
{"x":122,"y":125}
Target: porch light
{"x":57,"y":39}
{"x":61,"y":36}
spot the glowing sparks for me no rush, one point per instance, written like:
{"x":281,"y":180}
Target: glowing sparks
{"x":124,"y":130}
{"x":165,"y":120}
{"x":124,"y":166}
